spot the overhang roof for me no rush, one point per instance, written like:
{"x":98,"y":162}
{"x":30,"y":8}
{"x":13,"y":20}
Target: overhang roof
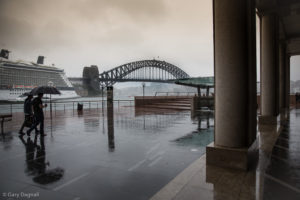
{"x":288,"y":12}
{"x":201,"y":82}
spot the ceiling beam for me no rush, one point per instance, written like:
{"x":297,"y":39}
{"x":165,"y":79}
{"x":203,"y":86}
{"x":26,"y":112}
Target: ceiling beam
{"x":279,"y":9}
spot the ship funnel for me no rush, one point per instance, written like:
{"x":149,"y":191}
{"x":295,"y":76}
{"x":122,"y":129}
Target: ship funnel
{"x":40,"y":60}
{"x":4,"y":53}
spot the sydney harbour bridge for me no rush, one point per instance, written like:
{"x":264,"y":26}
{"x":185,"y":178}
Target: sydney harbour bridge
{"x":138,"y":71}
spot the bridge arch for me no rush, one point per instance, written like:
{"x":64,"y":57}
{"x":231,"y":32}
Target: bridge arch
{"x":149,"y":70}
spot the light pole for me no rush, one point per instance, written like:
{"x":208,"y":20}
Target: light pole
{"x":143,"y":84}
{"x":50,"y":84}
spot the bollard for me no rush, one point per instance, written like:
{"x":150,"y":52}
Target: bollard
{"x":64,"y":108}
{"x":79,"y":106}
{"x":11,"y":109}
{"x":89,"y":105}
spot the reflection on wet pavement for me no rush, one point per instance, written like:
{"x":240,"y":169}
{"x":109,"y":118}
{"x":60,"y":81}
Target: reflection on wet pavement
{"x":98,"y":154}
{"x":275,"y":175}
{"x":283,"y":171}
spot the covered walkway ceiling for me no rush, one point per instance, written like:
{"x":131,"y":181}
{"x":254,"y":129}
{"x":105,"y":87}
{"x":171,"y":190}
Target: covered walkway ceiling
{"x":288,"y":12}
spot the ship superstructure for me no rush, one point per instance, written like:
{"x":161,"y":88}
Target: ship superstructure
{"x":18,"y":77}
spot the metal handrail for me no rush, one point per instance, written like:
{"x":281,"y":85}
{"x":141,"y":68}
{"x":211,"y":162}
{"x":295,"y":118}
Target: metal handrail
{"x":63,"y":105}
{"x":167,"y":93}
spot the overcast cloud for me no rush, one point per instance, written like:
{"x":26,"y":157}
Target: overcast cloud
{"x":77,"y":33}
{"x":108,"y":33}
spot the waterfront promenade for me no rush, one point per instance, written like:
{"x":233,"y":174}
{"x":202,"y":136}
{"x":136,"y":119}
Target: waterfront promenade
{"x":142,"y":153}
{"x":129,"y":154}
{"x":275,"y":176}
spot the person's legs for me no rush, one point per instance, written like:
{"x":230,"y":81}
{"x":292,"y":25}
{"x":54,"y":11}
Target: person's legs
{"x":36,"y":130}
{"x":42,"y":125}
{"x":22,"y":127}
{"x":34,"y":126}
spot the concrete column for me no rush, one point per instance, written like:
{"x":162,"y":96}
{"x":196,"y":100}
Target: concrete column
{"x":288,"y":77}
{"x":235,"y":83}
{"x":282,"y":78}
{"x":269,"y":70}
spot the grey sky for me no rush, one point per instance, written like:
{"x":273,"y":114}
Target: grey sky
{"x":295,"y":68}
{"x":77,"y":33}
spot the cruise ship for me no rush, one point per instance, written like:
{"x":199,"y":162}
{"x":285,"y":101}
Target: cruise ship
{"x":18,"y":77}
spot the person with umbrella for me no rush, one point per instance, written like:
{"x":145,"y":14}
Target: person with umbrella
{"x":46,"y":90}
{"x":38,"y":114}
{"x":28,"y":119}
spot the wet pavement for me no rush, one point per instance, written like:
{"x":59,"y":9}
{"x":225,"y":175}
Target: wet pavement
{"x":275,"y":175}
{"x":283,"y":171}
{"x":99,"y":154}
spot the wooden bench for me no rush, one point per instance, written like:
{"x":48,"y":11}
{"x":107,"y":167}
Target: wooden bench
{"x":4,"y":118}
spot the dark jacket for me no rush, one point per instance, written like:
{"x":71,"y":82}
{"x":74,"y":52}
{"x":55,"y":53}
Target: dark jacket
{"x":36,"y":106}
{"x":28,"y":107}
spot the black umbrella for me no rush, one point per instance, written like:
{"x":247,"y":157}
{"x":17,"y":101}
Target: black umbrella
{"x":26,"y":94}
{"x":45,"y":90}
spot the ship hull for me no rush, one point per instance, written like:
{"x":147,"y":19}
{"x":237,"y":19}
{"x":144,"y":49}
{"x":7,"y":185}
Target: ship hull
{"x":14,"y":95}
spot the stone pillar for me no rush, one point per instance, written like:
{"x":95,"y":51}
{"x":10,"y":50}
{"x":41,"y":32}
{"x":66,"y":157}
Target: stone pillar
{"x":269,"y":70}
{"x":282,"y":78}
{"x":235,"y":83}
{"x":288,"y":78}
